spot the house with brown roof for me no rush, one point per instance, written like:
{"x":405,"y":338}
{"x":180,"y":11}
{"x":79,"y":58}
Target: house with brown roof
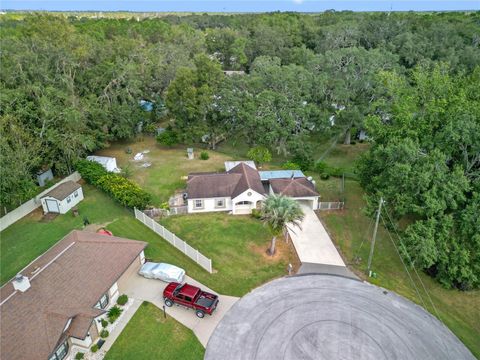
{"x":242,"y":188}
{"x":59,"y":299}
{"x":62,"y":198}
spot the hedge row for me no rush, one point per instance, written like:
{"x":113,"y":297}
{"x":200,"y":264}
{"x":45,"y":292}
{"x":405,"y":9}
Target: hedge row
{"x":122,"y":190}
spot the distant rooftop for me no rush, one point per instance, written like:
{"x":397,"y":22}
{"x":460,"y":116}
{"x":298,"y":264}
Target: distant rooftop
{"x":229,"y":165}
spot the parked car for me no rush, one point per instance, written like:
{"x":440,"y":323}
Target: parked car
{"x":191,"y":297}
{"x":162,"y":271}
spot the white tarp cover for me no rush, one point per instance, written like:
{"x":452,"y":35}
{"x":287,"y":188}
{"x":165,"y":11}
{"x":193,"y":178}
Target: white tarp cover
{"x":162,"y":271}
{"x":138,"y":157}
{"x":109,"y":163}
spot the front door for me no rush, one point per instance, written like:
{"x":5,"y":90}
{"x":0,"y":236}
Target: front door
{"x":52,"y":206}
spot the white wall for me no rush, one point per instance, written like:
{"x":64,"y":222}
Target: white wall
{"x":32,"y":204}
{"x":209,"y":205}
{"x":64,"y":205}
{"x":85,"y":343}
{"x":248,"y":195}
{"x":313,"y":199}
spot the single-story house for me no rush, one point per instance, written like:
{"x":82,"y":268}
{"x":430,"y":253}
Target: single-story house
{"x":243,"y":188}
{"x":109,"y":163}
{"x":62,"y":198}
{"x":60,"y":298}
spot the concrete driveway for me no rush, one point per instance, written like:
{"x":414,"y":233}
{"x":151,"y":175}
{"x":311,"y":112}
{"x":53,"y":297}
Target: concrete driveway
{"x":139,"y":288}
{"x":312,"y":242}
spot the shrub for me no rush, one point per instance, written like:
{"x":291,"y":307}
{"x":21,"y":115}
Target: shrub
{"x":91,"y":171}
{"x":204,"y":155}
{"x":259,"y":154}
{"x":290,"y":165}
{"x":104,"y":333}
{"x":124,"y":191}
{"x":150,"y":128}
{"x":324,"y":176}
{"x":122,"y":299}
{"x":104,"y":323}
{"x":79,"y":356}
{"x":353,"y":142}
{"x":114,"y":313}
{"x":302,"y":154}
{"x":167,"y":138}
{"x":94,"y":348}
{"x":165,"y":205}
{"x":322,"y":168}
{"x":256,"y":214}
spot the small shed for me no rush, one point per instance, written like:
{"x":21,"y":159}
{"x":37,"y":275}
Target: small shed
{"x":109,"y":163}
{"x":190,"y":153}
{"x":62,"y":198}
{"x":43,"y":176}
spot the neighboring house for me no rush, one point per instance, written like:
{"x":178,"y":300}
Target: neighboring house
{"x":62,"y":198}
{"x":242,"y":188}
{"x":109,"y":163}
{"x":63,"y":295}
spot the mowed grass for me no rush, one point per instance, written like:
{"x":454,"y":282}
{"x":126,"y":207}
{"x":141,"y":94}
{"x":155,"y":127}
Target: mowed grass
{"x":236,"y":244}
{"x":28,"y":238}
{"x":149,"y":335}
{"x":169,"y":166}
{"x":351,"y":230}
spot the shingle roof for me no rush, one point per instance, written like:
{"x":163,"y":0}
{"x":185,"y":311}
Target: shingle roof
{"x":63,"y":190}
{"x":66,"y":282}
{"x":299,"y":187}
{"x":249,"y":180}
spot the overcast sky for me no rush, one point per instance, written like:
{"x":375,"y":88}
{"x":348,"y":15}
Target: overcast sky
{"x":239,"y":5}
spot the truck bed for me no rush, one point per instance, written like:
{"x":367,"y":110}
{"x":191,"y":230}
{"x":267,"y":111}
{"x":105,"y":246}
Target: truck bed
{"x":206,"y":300}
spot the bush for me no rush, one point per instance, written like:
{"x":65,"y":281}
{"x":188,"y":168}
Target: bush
{"x":122,"y":299}
{"x":91,"y":171}
{"x":204,"y":155}
{"x":104,"y":323}
{"x":256,"y":214}
{"x":104,"y":333}
{"x":290,"y":165}
{"x":324,"y":176}
{"x":79,"y":356}
{"x":353,"y":142}
{"x":324,"y":169}
{"x":124,"y":191}
{"x":94,"y":348}
{"x":114,"y":313}
{"x":167,"y":138}
{"x":165,"y":205}
{"x":259,"y":154}
{"x":302,"y":154}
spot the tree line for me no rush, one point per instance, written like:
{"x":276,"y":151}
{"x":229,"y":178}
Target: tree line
{"x":69,"y":86}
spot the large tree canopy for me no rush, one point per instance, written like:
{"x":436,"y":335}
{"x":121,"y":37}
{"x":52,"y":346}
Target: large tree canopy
{"x":425,"y":161}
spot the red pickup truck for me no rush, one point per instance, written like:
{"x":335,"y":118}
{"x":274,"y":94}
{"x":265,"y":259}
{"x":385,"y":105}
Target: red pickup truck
{"x":190,"y":296}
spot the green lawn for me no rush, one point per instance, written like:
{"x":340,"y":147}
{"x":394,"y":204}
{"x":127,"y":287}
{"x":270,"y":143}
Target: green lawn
{"x":28,"y":238}
{"x":148,"y":335}
{"x":236,"y":245}
{"x":349,"y":228}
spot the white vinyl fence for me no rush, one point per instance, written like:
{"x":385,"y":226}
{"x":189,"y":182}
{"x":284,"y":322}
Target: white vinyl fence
{"x":173,"y":239}
{"x":27,"y":207}
{"x":331,"y":205}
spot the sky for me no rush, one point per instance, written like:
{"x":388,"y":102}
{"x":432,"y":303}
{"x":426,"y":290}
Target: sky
{"x":240,"y":5}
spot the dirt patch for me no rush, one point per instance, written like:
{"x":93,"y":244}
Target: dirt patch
{"x":48,"y":217}
{"x":36,"y":215}
{"x":96,"y":227}
{"x":283,"y":252}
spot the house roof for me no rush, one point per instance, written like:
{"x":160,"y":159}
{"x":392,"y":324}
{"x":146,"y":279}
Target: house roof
{"x":299,"y":187}
{"x":63,"y":190}
{"x":66,"y":282}
{"x":249,"y":180}
{"x":280,"y":174}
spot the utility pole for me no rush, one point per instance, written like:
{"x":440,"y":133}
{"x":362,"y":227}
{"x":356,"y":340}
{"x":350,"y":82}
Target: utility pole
{"x":372,"y":246}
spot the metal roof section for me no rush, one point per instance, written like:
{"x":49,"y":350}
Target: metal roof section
{"x":229,"y":165}
{"x":280,"y":174}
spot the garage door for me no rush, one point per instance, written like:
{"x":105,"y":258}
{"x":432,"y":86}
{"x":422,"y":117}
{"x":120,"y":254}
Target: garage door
{"x":52,"y":206}
{"x":307,"y":203}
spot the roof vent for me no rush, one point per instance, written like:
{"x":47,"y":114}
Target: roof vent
{"x":21,"y":283}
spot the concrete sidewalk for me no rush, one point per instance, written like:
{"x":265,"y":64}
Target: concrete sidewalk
{"x":139,"y":288}
{"x":312,"y":242}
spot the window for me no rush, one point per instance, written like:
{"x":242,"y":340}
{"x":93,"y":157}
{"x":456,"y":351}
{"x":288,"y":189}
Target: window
{"x":103,"y":302}
{"x":75,"y":193}
{"x":61,"y":352}
{"x":69,"y":199}
{"x":189,"y":299}
{"x":219,"y":203}
{"x":243,"y":203}
{"x":198,"y":204}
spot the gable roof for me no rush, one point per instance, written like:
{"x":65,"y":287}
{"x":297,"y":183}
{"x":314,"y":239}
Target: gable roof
{"x":249,"y":180}
{"x":210,"y":185}
{"x":231,"y":164}
{"x":66,"y":283}
{"x":63,"y":190}
{"x":299,"y":187}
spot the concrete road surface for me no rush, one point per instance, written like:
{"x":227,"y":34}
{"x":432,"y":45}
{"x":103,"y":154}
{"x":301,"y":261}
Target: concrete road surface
{"x":137,"y":287}
{"x":329,"y":317}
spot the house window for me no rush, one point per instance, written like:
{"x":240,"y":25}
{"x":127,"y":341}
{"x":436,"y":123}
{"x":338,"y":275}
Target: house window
{"x":69,"y":199}
{"x":103,"y":302}
{"x":75,"y":194}
{"x":244,"y":203}
{"x":219,"y":203}
{"x":198,"y":204}
{"x":61,"y":352}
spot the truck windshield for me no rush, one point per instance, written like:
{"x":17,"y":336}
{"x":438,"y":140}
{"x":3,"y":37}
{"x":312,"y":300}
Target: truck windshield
{"x":177,"y":289}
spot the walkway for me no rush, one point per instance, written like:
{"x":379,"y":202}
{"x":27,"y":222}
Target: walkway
{"x":139,"y":288}
{"x":312,"y":242}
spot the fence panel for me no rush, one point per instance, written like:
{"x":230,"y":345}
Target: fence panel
{"x":181,"y":245}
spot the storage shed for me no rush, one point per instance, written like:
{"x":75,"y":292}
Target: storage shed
{"x":109,"y":163}
{"x":62,"y":198}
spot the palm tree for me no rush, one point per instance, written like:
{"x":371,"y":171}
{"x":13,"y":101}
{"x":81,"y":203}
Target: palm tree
{"x":278,"y":213}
